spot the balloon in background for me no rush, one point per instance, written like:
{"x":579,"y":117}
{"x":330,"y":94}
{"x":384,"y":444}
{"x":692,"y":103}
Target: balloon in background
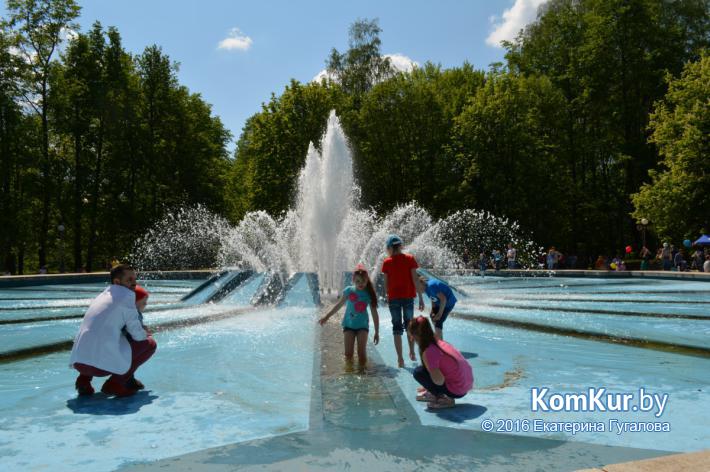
{"x":687,"y":243}
{"x":629,"y":249}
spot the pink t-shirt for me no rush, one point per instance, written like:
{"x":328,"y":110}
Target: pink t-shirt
{"x":458,"y":375}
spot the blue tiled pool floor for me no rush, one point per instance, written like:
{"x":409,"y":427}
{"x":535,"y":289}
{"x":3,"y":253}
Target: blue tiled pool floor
{"x":366,"y":421}
{"x":208,"y":385}
{"x":268,"y":389}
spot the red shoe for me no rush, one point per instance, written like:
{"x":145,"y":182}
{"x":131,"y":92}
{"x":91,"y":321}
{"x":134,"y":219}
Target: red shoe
{"x":83,"y":386}
{"x":115,"y":387}
{"x":134,"y":383}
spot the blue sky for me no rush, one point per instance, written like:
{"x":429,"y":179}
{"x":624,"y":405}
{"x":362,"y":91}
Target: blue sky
{"x":274,"y":41}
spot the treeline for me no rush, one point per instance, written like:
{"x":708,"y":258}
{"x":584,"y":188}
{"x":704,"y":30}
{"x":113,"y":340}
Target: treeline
{"x":598,"y":118}
{"x":95,"y":142}
{"x":559,"y":138}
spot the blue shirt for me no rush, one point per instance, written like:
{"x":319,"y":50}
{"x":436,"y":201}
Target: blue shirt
{"x":434,"y":287}
{"x":356,"y":303}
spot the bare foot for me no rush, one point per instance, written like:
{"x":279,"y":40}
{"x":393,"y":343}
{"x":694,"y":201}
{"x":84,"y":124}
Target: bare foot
{"x":421,"y":389}
{"x":400,"y":363}
{"x":412,"y":356}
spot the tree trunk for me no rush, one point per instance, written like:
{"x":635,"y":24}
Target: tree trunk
{"x":95,"y":201}
{"x":46,"y":182}
{"x":77,"y":200}
{"x":21,"y":260}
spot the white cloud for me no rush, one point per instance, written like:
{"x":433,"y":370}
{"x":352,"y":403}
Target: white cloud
{"x":324,"y":74}
{"x":514,"y":19}
{"x":399,"y":62}
{"x":67,"y":34}
{"x":235,"y":40}
{"x":402,"y":63}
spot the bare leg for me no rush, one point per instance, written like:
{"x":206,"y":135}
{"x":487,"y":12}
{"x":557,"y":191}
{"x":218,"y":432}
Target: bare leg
{"x":398,"y":348}
{"x":439,"y":333}
{"x":349,"y":340}
{"x":362,"y":347}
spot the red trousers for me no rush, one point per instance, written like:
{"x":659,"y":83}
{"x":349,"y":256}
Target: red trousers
{"x":141,"y":351}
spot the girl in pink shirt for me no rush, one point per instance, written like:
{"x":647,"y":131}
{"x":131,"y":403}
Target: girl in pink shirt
{"x":445,"y":374}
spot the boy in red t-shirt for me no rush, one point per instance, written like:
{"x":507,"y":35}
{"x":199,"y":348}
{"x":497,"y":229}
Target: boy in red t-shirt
{"x":401,"y":285}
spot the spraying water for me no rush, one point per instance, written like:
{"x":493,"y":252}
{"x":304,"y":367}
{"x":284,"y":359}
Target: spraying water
{"x":326,"y":193}
{"x":326,"y":231}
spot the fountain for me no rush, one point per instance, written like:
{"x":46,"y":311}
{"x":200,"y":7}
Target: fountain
{"x":326,"y":231}
{"x":265,"y":386}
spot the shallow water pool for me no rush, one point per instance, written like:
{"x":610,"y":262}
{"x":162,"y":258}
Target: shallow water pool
{"x":235,"y":384}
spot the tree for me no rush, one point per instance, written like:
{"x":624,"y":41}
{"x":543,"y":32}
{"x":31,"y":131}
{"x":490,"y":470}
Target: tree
{"x":39,"y":26}
{"x":72,"y":112}
{"x":362,"y":66}
{"x":272,"y":148}
{"x":508,"y":140}
{"x":609,"y":57}
{"x":400,"y":137}
{"x":677,"y":200}
{"x":158,"y":81}
{"x":18,"y":141}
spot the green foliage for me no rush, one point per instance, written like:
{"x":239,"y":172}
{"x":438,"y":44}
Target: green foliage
{"x":273,"y":146}
{"x":508,"y":140}
{"x":401,"y":133}
{"x":609,"y":59}
{"x":677,"y":200}
{"x":105,"y":143}
{"x":558,"y":139}
{"x":38,"y":26}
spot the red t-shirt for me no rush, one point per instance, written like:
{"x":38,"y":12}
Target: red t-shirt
{"x":399,"y":276}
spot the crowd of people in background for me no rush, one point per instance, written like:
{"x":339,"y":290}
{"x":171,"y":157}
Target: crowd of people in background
{"x":668,"y":257}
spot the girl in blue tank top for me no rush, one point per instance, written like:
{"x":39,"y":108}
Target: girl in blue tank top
{"x":357,"y":298}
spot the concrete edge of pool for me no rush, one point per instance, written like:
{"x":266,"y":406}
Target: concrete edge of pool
{"x":8,"y":281}
{"x":687,"y":462}
{"x":12,"y":281}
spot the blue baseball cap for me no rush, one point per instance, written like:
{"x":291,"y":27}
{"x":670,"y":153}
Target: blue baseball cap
{"x":394,"y":240}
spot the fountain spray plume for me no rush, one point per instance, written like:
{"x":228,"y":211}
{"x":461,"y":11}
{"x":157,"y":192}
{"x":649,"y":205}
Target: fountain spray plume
{"x":325,"y":199}
{"x":185,"y":238}
{"x":326,"y":231}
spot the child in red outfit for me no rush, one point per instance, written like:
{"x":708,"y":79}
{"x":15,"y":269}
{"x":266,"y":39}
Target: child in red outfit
{"x":401,"y":285}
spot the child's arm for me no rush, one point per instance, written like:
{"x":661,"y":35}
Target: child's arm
{"x":418,"y":286}
{"x":375,"y":321}
{"x":436,"y":376}
{"x":442,"y":306}
{"x":338,"y":305}
{"x":385,"y":278}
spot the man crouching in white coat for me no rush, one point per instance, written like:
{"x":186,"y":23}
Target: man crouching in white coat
{"x":101,"y":347}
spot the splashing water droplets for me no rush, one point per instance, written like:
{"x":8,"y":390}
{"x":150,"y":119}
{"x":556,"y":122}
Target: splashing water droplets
{"x":325,"y":232}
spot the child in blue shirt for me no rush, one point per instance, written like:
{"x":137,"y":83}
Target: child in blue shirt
{"x":442,"y":302}
{"x":357,"y":298}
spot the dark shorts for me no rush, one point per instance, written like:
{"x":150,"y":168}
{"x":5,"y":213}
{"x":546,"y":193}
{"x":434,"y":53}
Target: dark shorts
{"x":353,"y":330}
{"x":423,"y":376}
{"x":402,"y":311}
{"x":440,"y":322}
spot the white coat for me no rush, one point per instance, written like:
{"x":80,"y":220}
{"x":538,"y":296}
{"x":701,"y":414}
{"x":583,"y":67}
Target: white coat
{"x":100,"y":342}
